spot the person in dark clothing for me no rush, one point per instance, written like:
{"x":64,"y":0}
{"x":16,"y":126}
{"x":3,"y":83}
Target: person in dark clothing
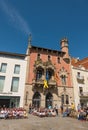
{"x":56,"y":109}
{"x":61,"y":109}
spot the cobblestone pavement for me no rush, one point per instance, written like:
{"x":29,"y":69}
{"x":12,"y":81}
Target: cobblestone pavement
{"x":45,"y":123}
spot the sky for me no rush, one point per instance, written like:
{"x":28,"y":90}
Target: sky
{"x":48,"y":21}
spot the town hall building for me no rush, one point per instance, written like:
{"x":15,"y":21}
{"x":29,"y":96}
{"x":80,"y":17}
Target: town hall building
{"x":48,"y":76}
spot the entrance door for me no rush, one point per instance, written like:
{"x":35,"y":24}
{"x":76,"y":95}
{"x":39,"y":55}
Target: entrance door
{"x":5,"y":102}
{"x":36,"y":100}
{"x":49,"y":100}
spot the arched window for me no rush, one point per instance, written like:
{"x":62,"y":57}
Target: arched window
{"x":49,"y":100}
{"x":63,"y":78}
{"x":49,"y":73}
{"x":39,"y":73}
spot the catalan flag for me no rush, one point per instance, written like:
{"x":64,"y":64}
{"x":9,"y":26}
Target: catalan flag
{"x":47,"y":75}
{"x":56,"y":77}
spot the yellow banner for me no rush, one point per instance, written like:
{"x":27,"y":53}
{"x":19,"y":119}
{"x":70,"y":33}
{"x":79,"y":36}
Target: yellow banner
{"x":45,"y":84}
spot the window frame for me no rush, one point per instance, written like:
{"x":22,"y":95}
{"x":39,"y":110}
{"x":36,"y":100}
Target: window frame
{"x":3,"y":83}
{"x":58,"y":59}
{"x":15,"y":69}
{"x":13,"y":87}
{"x":39,"y":74}
{"x":49,"y":57}
{"x":63,"y":79}
{"x":3,"y":65}
{"x":38,"y":56}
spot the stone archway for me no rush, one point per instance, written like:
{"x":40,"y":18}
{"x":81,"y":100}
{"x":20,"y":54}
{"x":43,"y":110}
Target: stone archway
{"x":36,"y":99}
{"x":49,"y":100}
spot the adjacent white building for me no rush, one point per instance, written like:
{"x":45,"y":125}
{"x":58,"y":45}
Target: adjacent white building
{"x":12,"y":79}
{"x":80,"y":85}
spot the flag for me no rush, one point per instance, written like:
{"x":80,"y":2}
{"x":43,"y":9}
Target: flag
{"x":47,"y":75}
{"x":56,"y":77}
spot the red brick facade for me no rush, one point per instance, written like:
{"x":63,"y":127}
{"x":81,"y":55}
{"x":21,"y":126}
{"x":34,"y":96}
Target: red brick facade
{"x":58,"y":66}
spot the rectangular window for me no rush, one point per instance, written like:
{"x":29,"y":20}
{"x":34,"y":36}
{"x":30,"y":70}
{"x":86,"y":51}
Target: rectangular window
{"x":17,"y":69}
{"x":78,"y":74}
{"x":38,"y":56}
{"x":2,"y":80}
{"x":58,"y":60}
{"x":67,"y":99}
{"x":81,"y":90}
{"x":3,"y":67}
{"x":49,"y":58}
{"x":15,"y":84}
{"x":62,"y":99}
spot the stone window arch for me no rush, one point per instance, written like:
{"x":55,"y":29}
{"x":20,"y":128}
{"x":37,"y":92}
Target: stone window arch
{"x":39,"y":73}
{"x":49,"y":73}
{"x":63,"y":79}
{"x":49,"y":100}
{"x":36,"y":100}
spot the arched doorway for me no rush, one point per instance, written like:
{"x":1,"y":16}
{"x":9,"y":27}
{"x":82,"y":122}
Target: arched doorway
{"x":49,"y":100}
{"x":36,"y":99}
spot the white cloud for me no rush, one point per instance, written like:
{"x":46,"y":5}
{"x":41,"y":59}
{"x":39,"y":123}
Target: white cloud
{"x":14,"y":17}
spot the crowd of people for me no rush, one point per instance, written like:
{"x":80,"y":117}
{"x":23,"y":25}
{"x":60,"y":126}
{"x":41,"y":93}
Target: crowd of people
{"x":20,"y":113}
{"x":44,"y":112}
{"x":13,"y":113}
{"x":65,"y":111}
{"x":81,"y":113}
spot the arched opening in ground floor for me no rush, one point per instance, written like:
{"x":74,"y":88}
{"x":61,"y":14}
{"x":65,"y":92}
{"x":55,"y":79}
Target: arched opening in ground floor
{"x":84,"y":102}
{"x":36,"y":100}
{"x":48,"y":100}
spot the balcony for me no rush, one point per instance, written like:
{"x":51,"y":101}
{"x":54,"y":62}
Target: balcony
{"x":40,"y":82}
{"x":52,"y":83}
{"x":83,"y":94}
{"x":80,"y":79}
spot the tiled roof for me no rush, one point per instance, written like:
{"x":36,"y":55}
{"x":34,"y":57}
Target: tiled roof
{"x":84,"y":62}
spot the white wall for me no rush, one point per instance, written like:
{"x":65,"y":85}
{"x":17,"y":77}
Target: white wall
{"x":10,"y":73}
{"x":76,"y":85}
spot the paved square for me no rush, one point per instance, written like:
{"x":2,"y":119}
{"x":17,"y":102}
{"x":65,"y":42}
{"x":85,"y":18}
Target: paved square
{"x":45,"y":123}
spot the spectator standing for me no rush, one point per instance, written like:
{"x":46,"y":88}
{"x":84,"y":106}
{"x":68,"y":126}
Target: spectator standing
{"x":56,"y":109}
{"x":72,"y":106}
{"x":30,"y":108}
{"x":61,"y":109}
{"x":78,"y":107}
